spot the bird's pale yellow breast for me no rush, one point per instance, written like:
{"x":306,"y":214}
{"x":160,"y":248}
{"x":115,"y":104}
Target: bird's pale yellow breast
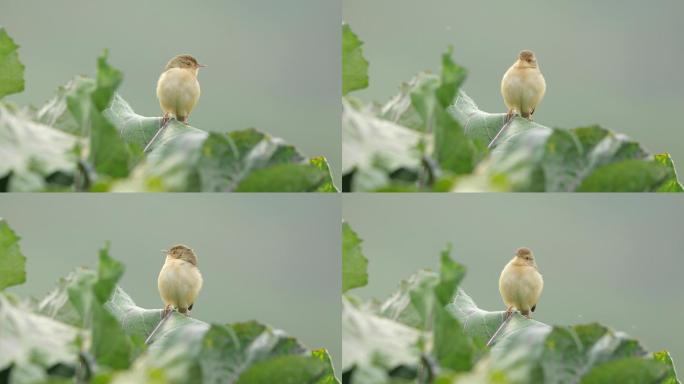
{"x":520,"y":285}
{"x":178,"y":91}
{"x":179,"y":283}
{"x":522,"y":88}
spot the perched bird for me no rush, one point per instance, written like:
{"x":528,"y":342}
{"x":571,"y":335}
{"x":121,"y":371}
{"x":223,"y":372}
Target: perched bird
{"x":520,"y":283}
{"x":179,"y":280}
{"x":178,"y":89}
{"x":523,"y":86}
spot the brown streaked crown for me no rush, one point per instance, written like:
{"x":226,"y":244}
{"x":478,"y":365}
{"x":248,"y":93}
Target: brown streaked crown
{"x":183,"y":253}
{"x":525,"y":253}
{"x":526,"y":55}
{"x":182,"y":61}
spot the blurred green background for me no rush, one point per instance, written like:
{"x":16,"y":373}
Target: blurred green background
{"x":272,"y":258}
{"x":271,"y":65}
{"x":615,"y":259}
{"x":616,"y":63}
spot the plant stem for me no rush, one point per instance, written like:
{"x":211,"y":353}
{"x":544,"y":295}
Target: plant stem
{"x":501,"y":327}
{"x":154,"y":138}
{"x":161,"y":322}
{"x":506,"y":124}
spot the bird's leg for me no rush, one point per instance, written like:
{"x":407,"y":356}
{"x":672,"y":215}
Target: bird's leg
{"x":509,"y":313}
{"x":528,"y":114}
{"x":509,"y":115}
{"x":165,"y":119}
{"x":183,"y":119}
{"x":526,"y":313}
{"x":168,"y":308}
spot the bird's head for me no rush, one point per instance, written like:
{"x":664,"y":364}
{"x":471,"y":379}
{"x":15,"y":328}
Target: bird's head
{"x":184,"y":61}
{"x":525,"y":256}
{"x":182,"y":252}
{"x":526,"y":59}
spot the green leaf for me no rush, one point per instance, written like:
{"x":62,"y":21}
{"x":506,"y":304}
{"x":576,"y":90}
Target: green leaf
{"x":321,"y":163}
{"x":354,"y":65}
{"x":110,"y":345}
{"x":480,"y":325}
{"x":80,"y":300}
{"x":33,"y":345}
{"x":452,"y":348}
{"x":630,"y":176}
{"x":374,"y":150}
{"x":538,"y":158}
{"x":354,"y":263}
{"x":11,"y":69}
{"x":108,"y":80}
{"x":478,"y":125}
{"x":109,"y":273}
{"x":413,"y":302}
{"x":133,"y":128}
{"x":290,"y":369}
{"x":451,"y":274}
{"x":186,"y":349}
{"x":454,"y":151}
{"x":630,"y":370}
{"x":329,"y":374}
{"x":78,"y":108}
{"x":373,"y":341}
{"x":34,"y":156}
{"x":69,"y":109}
{"x":664,"y":357}
{"x":185,"y":158}
{"x":671,"y":185}
{"x":139,"y":322}
{"x":108,"y":152}
{"x":171,"y":163}
{"x":283,"y":178}
{"x":12,"y":261}
{"x":421,"y":105}
{"x":528,"y":351}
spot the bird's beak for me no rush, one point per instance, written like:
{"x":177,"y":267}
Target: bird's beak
{"x":164,"y":251}
{"x":201,"y":65}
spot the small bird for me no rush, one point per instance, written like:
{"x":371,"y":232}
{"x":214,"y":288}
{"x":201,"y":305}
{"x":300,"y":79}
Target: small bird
{"x":520,"y":283}
{"x":523,"y":86}
{"x":179,"y":280}
{"x":178,"y":89}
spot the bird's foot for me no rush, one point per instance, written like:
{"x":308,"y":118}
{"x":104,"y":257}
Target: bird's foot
{"x":508,"y":313}
{"x":165,"y":119}
{"x":183,"y":119}
{"x":166,"y":311}
{"x":509,"y":116}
